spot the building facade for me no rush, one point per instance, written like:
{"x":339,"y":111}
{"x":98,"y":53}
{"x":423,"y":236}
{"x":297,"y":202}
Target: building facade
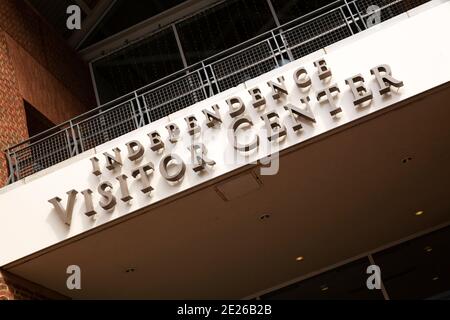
{"x":234,"y":149}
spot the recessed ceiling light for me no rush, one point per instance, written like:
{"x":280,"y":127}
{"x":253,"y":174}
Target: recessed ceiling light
{"x":428,"y":249}
{"x":299,"y":258}
{"x":406,"y":160}
{"x":435,"y":278}
{"x":419,"y":213}
{"x":323,"y":287}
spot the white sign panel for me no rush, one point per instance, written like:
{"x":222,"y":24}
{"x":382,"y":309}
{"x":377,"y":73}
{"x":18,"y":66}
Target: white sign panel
{"x":273,"y":112}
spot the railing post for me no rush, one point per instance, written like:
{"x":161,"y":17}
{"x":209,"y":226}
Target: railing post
{"x":277,"y":38}
{"x":11,"y":178}
{"x":140,"y":113}
{"x":214,"y":78}
{"x":208,"y":93}
{"x":351,"y":15}
{"x":146,"y":109}
{"x":74,"y":138}
{"x":359,"y":14}
{"x":283,"y":41}
{"x":81,"y":144}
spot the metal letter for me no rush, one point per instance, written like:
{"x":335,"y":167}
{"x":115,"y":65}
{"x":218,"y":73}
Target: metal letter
{"x":65,"y":214}
{"x":156,"y":142}
{"x":322,"y":69}
{"x":328,"y":93}
{"x":359,"y":90}
{"x":386,"y":80}
{"x":95,"y":166}
{"x":124,"y":188}
{"x":144,"y":176}
{"x":110,"y":199}
{"x":257,"y":97}
{"x":275,"y":129}
{"x":233,"y":128}
{"x":235,"y":111}
{"x":199,"y":159}
{"x":297,"y":113}
{"x":178,"y":174}
{"x":174,"y":132}
{"x":278,"y":88}
{"x":113,"y":162}
{"x":135,"y":150}
{"x":302,"y":78}
{"x":213,"y":119}
{"x":88,"y":202}
{"x":193,"y":127}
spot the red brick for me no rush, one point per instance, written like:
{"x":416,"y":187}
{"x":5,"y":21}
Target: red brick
{"x":36,"y":65}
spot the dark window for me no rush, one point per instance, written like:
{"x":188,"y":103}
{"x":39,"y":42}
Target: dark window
{"x":137,"y":65}
{"x":346,"y":282}
{"x":36,"y":121}
{"x":417,"y":269}
{"x":292,"y":9}
{"x":125,"y":14}
{"x":223,"y":26}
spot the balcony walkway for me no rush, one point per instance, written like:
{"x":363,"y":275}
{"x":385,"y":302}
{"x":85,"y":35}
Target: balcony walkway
{"x":186,"y":87}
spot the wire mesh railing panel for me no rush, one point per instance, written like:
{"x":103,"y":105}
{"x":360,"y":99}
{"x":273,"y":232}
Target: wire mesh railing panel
{"x":108,"y":125}
{"x":317,"y":33}
{"x":40,"y":155}
{"x":167,"y":92}
{"x":242,"y":59}
{"x":176,"y":104}
{"x":197,"y":82}
{"x":244,"y":65}
{"x":319,"y":42}
{"x":174,"y":96}
{"x":246,"y":74}
{"x":387,"y":8}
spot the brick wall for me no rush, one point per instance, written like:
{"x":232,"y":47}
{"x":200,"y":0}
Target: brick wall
{"x":15,"y":288}
{"x":38,"y":66}
{"x":12,"y":114}
{"x":48,"y":49}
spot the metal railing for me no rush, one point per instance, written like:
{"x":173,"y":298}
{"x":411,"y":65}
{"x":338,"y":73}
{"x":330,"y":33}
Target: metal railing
{"x":186,"y":87}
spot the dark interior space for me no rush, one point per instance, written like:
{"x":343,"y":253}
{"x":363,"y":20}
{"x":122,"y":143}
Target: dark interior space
{"x":292,"y":9}
{"x":36,"y":121}
{"x":55,"y":14}
{"x":222,"y":27}
{"x":347,"y":282}
{"x":417,"y":269}
{"x":201,"y":36}
{"x":125,"y":14}
{"x":137,"y":65}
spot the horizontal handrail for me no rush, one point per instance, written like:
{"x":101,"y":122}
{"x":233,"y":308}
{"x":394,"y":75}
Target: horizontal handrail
{"x":193,"y":84}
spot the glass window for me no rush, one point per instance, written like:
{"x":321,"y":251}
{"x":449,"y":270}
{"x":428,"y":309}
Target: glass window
{"x":137,"y":65}
{"x":347,"y":282}
{"x":417,"y":269}
{"x":292,"y":9}
{"x":223,"y":26}
{"x":124,"y":14}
